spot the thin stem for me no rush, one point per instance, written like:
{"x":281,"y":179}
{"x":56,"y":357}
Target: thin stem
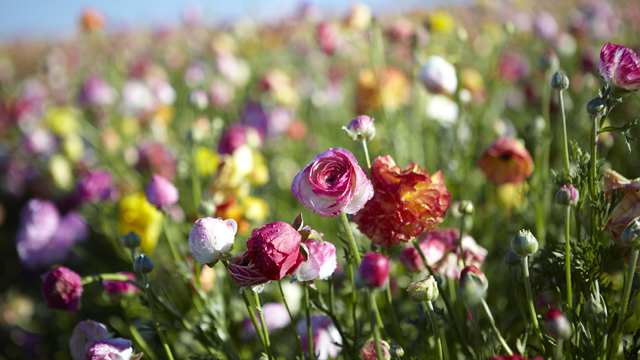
{"x":352,"y":240}
{"x":434,"y":327}
{"x":252,"y":315}
{"x":165,"y":344}
{"x":265,"y":328}
{"x":293,"y":327}
{"x":195,"y":181}
{"x":565,"y":141}
{"x":307,"y":314}
{"x":495,"y":328}
{"x":460,"y":239}
{"x":394,"y":318}
{"x":532,"y":309}
{"x":624,"y":302}
{"x":366,"y":153}
{"x":168,"y":235}
{"x":594,"y":158}
{"x":567,"y":268}
{"x":374,"y":325}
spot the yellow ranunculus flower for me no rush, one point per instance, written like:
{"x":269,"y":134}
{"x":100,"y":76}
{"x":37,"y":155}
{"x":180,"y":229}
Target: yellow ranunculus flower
{"x":62,"y":120}
{"x":139,"y":216}
{"x":164,"y":115}
{"x":60,"y":172}
{"x":441,"y":22}
{"x":73,"y":147}
{"x":207,"y":161}
{"x":255,"y":209}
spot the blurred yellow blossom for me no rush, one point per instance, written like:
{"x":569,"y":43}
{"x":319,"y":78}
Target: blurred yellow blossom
{"x":60,"y":171}
{"x":129,"y":126}
{"x":139,"y":216}
{"x":207,"y":161}
{"x":73,"y":147}
{"x":62,"y":120}
{"x":359,"y":16}
{"x":163,"y":115}
{"x":441,"y":22}
{"x":390,"y":88}
{"x":255,"y":209}
{"x":512,"y":196}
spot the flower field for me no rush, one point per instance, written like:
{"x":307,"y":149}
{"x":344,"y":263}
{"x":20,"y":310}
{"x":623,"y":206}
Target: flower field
{"x":457,"y":182}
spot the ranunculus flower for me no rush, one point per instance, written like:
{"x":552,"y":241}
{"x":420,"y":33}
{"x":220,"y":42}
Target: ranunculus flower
{"x":328,"y":36}
{"x":115,"y":287}
{"x":325,"y":337}
{"x":332,"y":183}
{"x":110,"y":349}
{"x":153,"y":156}
{"x":388,"y":88}
{"x":274,"y":249}
{"x":84,"y":332}
{"x":438,"y":76}
{"x":96,"y":185}
{"x":244,"y":272}
{"x":374,"y":270}
{"x":628,"y":209}
{"x":61,"y":289}
{"x":433,"y":251}
{"x":92,"y":20}
{"x":321,"y":264}
{"x":96,"y":91}
{"x":368,"y":351}
{"x":557,"y":325}
{"x":137,"y":215}
{"x":513,"y":67}
{"x":361,"y":128}
{"x":236,"y":136}
{"x":506,"y":161}
{"x":209,"y":238}
{"x":620,"y":66}
{"x":275,"y":315}
{"x":406,"y":203}
{"x":161,"y":192}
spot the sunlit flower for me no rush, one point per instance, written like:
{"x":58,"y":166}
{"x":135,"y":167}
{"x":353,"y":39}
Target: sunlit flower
{"x":92,"y":20}
{"x":506,"y":161}
{"x":388,"y":88}
{"x":359,"y":16}
{"x":210,"y":238}
{"x":274,"y":249}
{"x":438,"y":76}
{"x":139,"y":216}
{"x":441,"y":22}
{"x":628,"y":209}
{"x":620,"y":66}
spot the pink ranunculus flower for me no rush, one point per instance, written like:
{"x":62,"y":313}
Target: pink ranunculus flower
{"x":61,"y":289}
{"x":374,"y":270}
{"x":368,"y":351}
{"x":325,"y":337}
{"x":209,"y":238}
{"x":332,"y":183}
{"x":275,"y":315}
{"x":84,"y":332}
{"x":114,"y":287}
{"x":274,"y":250}
{"x":620,"y":66}
{"x":96,"y":185}
{"x":321,"y":264}
{"x":161,"y":192}
{"x":433,"y":251}
{"x":244,"y":272}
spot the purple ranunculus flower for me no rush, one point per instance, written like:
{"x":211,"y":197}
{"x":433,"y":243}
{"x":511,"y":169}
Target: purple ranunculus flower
{"x":84,"y":332}
{"x":275,"y":315}
{"x":109,"y":349}
{"x":95,"y":91}
{"x":325,"y":337}
{"x":161,"y":192}
{"x":39,"y":221}
{"x":321,"y":264}
{"x":61,"y":289}
{"x":97,"y":185}
{"x":362,"y":127}
{"x":114,"y":287}
{"x":40,"y":142}
{"x":332,"y":183}
{"x":620,"y":66}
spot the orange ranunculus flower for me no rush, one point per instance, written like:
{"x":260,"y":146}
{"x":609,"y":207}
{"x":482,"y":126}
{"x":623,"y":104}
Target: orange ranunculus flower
{"x":506,"y":161}
{"x":405,"y":204}
{"x":91,"y":20}
{"x":628,"y":209}
{"x":388,"y":88}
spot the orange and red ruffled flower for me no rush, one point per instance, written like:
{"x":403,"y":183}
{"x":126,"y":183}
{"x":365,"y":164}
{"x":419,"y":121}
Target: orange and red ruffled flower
{"x":506,"y":161}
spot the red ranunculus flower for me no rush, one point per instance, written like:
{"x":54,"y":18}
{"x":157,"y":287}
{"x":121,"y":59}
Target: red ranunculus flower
{"x":506,"y":161}
{"x":406,"y":203}
{"x":245,"y":273}
{"x":274,"y":250}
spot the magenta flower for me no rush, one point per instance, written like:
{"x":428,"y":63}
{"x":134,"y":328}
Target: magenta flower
{"x":274,"y":249}
{"x":328,"y":36}
{"x":209,"y":238}
{"x":114,"y":287}
{"x":110,"y":349}
{"x":95,"y":91}
{"x":154,"y":157}
{"x":96,"y":185}
{"x":321,"y":264}
{"x":61,"y":289}
{"x":620,"y":66}
{"x":325,"y":337}
{"x":275,"y":315}
{"x":161,"y":192}
{"x":237,"y":135}
{"x":84,"y":332}
{"x":245,"y":273}
{"x":374,"y":270}
{"x":361,"y":128}
{"x":332,"y":183}
{"x":368,"y":350}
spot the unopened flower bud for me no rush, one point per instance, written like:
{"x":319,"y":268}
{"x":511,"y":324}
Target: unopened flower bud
{"x":143,"y":265}
{"x":631,"y":234}
{"x":567,"y":195}
{"x":524,"y":243}
{"x":131,"y":240}
{"x":511,"y":259}
{"x":466,"y":207}
{"x":361,"y":128}
{"x":473,"y":286}
{"x":559,"y":81}
{"x":424,"y":290}
{"x":593,"y":307}
{"x":549,"y":60}
{"x":397,"y":351}
{"x":596,"y":107}
{"x":373,"y":271}
{"x":368,"y":351}
{"x":206,"y":209}
{"x":558,"y":327}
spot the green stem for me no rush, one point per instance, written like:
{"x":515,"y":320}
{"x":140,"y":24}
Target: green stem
{"x":532,"y":309}
{"x":293,"y":327}
{"x":150,"y":300}
{"x":495,"y":328}
{"x":460,"y":240}
{"x":265,"y":328}
{"x":624,"y":302}
{"x":567,"y":268}
{"x":565,"y":140}
{"x":434,"y":327}
{"x":366,"y":153}
{"x":307,"y":314}
{"x":168,"y":235}
{"x":594,"y":158}
{"x":374,"y":326}
{"x":195,"y":181}
{"x":558,"y":354}
{"x":352,"y":240}
{"x":394,"y":318}
{"x":254,"y":320}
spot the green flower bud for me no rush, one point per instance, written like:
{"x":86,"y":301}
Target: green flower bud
{"x":143,"y":265}
{"x":596,"y":107}
{"x":631,"y":234}
{"x":524,"y":243}
{"x":567,"y":195}
{"x":559,"y":81}
{"x":131,"y":240}
{"x":473,"y":286}
{"x":466,"y":207}
{"x":397,"y":351}
{"x":593,"y":307}
{"x":511,"y":259}
{"x":424,"y":290}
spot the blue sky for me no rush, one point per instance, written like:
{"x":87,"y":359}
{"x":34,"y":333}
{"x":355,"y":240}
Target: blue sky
{"x":59,"y":17}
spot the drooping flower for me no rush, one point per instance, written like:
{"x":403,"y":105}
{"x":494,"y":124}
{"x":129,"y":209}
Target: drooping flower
{"x":209,"y":238}
{"x":326,"y":338}
{"x":406,"y":203}
{"x":620,"y":66}
{"x":138,"y":215}
{"x":506,"y":161}
{"x":121,"y":288}
{"x":322,"y":261}
{"x":84,"y":332}
{"x":368,"y":350}
{"x":438,"y":76}
{"x":628,"y":209}
{"x":161,"y":192}
{"x":61,"y":289}
{"x":274,"y":250}
{"x":374,"y":270}
{"x":275,"y":315}
{"x":332,"y":183}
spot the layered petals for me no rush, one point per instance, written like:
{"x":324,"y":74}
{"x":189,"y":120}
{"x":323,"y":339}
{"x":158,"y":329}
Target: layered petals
{"x":620,"y":66}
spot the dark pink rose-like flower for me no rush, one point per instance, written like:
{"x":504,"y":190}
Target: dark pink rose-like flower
{"x":61,"y":289}
{"x":332,"y":183}
{"x":115,"y":287}
{"x":97,"y":185}
{"x":274,"y":250}
{"x":374,"y":270}
{"x":620,"y":66}
{"x":326,"y":338}
{"x":161,"y":192}
{"x":321,"y":264}
{"x":84,"y":332}
{"x":275,"y":315}
{"x":244,"y":272}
